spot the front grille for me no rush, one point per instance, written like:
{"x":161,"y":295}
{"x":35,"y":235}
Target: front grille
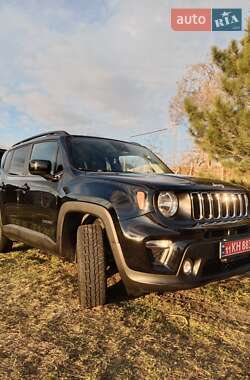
{"x":218,"y":206}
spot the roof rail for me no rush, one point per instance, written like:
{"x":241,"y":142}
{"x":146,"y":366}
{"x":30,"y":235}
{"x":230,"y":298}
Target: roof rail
{"x":59,"y":133}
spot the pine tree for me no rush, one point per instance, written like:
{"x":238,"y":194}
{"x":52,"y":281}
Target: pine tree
{"x":223,"y":129}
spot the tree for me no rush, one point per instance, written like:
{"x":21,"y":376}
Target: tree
{"x":201,"y":83}
{"x":222,"y":129}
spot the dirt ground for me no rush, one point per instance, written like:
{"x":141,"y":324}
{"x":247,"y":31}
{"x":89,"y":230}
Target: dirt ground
{"x":202,"y":333}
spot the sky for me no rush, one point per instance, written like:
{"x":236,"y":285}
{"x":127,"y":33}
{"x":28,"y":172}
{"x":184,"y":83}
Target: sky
{"x":98,"y":67}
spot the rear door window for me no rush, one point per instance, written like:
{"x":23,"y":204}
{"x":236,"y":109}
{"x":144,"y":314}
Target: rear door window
{"x":18,"y":161}
{"x":6,"y":159}
{"x":2,"y":151}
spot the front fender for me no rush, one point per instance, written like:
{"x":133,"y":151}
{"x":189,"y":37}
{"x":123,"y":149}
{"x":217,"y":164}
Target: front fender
{"x":119,"y":196}
{"x":105,"y":215}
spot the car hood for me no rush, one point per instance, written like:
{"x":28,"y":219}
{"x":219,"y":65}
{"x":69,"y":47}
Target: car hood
{"x":166,"y":181}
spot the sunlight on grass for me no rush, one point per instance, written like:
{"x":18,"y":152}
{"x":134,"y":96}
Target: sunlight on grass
{"x":196,"y":334}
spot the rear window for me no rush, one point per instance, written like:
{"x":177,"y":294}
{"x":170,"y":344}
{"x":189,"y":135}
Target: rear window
{"x":17,"y":165}
{"x":5,"y":163}
{"x":2,"y":151}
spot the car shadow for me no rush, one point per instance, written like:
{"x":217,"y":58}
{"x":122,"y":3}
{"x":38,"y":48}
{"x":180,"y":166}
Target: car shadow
{"x":116,"y":293}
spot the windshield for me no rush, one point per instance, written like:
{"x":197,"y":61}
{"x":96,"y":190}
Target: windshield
{"x":101,"y":155}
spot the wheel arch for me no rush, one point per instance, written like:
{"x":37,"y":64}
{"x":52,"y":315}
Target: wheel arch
{"x":134,"y":281}
{"x":72,"y":214}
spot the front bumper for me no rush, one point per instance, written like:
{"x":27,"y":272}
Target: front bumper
{"x":140,"y":274}
{"x":209,"y":269}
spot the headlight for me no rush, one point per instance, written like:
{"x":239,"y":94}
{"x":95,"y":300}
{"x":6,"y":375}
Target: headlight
{"x":167,"y":203}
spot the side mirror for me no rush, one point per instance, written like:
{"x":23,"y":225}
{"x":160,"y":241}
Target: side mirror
{"x":40,"y":167}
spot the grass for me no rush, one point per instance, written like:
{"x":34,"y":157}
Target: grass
{"x":195,"y":334}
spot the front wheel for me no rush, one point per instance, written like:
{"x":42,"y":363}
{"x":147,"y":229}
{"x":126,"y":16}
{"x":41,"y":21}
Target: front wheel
{"x":91,"y":266}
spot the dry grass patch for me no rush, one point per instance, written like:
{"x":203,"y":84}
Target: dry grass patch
{"x":196,"y":334}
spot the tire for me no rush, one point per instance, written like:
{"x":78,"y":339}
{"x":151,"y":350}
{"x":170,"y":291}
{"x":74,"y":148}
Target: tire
{"x":91,"y":266}
{"x":5,"y":243}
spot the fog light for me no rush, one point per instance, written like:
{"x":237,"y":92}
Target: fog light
{"x":187,"y":266}
{"x":164,"y":253}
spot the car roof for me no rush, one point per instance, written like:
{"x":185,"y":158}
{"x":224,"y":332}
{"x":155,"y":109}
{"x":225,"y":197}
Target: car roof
{"x":107,"y":138}
{"x":46,"y":135}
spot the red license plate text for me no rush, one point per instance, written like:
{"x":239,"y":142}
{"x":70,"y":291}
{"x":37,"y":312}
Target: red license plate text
{"x":234,"y":247}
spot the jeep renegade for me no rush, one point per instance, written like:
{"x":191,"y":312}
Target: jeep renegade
{"x":114,"y":205}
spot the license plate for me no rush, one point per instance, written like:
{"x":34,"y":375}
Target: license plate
{"x":230,"y":248}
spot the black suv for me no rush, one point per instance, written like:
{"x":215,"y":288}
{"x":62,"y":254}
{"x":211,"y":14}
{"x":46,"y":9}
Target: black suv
{"x":113,"y":205}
